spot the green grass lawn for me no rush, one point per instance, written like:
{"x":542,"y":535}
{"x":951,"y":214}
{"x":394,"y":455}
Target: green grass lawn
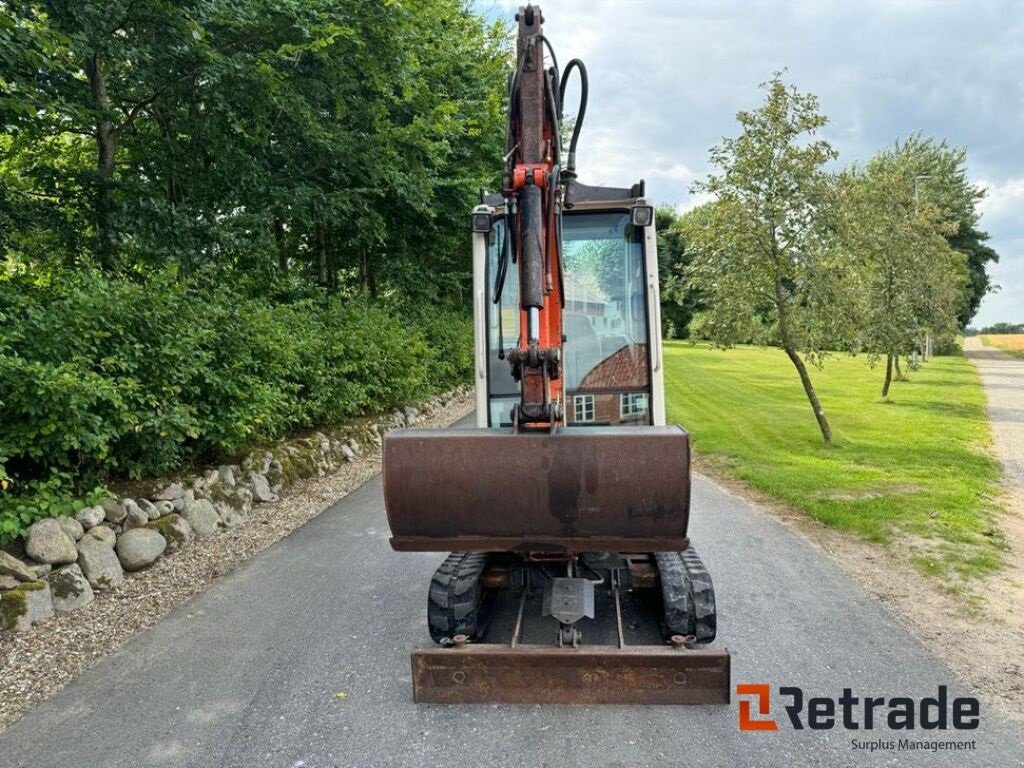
{"x":914,"y":471}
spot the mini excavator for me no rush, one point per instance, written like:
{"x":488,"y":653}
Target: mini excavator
{"x":570,"y":577}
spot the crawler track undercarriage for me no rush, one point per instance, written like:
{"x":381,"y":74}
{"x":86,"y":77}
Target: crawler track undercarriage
{"x":516,"y":630}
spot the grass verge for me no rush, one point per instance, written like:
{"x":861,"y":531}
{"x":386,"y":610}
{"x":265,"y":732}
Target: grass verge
{"x":914,"y":472}
{"x":1013,"y":343}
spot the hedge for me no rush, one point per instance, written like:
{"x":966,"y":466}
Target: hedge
{"x":113,"y":376}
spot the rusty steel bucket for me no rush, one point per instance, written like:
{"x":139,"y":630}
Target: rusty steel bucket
{"x":581,"y":489}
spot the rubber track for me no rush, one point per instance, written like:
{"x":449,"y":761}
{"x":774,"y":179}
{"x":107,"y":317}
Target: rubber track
{"x":688,"y":595}
{"x":456,"y":604}
{"x":702,"y":592}
{"x":675,"y":594}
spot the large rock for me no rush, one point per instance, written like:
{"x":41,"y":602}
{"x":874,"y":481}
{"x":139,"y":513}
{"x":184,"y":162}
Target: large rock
{"x":22,"y":606}
{"x":12,"y":566}
{"x":8,"y":582}
{"x":230,"y":517}
{"x":139,"y":548}
{"x":171,"y":492}
{"x":242,"y":499}
{"x":175,"y":529}
{"x":151,"y":509}
{"x":104,"y":534}
{"x":136,"y":517}
{"x":239,"y":497}
{"x":90,"y":517}
{"x":71,"y":527}
{"x":113,"y":510}
{"x":261,"y":490}
{"x":276,"y":476}
{"x":227,"y":475}
{"x":47,"y":543}
{"x":164,"y":507}
{"x":201,"y":515}
{"x":99,"y":563}
{"x":71,"y":590}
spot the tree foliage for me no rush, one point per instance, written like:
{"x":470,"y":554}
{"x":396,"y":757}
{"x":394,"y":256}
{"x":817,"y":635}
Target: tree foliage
{"x":224,"y":219}
{"x":336,"y":138}
{"x":679,"y":301}
{"x":941,"y":173}
{"x":105,"y":376}
{"x":909,"y":281}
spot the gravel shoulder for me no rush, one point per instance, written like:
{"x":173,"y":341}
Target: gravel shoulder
{"x":36,"y":664}
{"x":1003,"y":377}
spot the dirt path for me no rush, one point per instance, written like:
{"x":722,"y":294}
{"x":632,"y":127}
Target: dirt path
{"x":1003,"y":377}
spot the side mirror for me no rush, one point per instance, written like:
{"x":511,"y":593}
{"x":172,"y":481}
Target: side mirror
{"x":642,"y":215}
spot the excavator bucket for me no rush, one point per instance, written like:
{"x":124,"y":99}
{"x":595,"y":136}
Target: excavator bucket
{"x":580,"y":489}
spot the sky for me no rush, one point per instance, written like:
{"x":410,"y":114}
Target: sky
{"x":667,"y":78}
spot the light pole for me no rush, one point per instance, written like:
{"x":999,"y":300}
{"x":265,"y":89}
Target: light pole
{"x":927,"y":351}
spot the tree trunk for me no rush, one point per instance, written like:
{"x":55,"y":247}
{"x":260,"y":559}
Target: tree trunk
{"x":899,"y":371}
{"x":798,"y":363}
{"x":106,"y":149}
{"x":364,"y":272}
{"x":812,"y":396}
{"x":888,"y":376}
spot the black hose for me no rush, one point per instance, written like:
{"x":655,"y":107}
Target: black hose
{"x":499,"y":280}
{"x":514,"y":85}
{"x":584,"y":94}
{"x":551,"y":90}
{"x":549,"y":224}
{"x":499,"y":284}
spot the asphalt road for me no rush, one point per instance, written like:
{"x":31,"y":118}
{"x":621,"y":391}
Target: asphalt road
{"x":247,"y":673}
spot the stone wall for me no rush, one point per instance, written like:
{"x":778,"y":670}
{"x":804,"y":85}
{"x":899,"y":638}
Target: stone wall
{"x":65,"y":560}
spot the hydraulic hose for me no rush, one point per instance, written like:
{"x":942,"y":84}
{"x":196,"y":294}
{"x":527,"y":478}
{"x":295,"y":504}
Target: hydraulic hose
{"x":578,"y":65}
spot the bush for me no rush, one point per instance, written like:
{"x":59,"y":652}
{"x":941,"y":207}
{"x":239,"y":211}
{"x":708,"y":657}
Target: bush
{"x":102,"y":376}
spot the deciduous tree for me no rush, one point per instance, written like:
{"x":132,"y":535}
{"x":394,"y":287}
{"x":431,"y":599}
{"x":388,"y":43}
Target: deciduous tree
{"x":762,"y":247}
{"x":909,"y":281}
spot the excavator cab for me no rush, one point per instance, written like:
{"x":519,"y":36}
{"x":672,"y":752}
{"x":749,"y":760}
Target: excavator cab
{"x":611,"y":363}
{"x":570,"y":576}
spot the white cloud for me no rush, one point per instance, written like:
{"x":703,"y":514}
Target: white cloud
{"x":668,"y":76}
{"x":694,"y":200}
{"x":1002,"y":200}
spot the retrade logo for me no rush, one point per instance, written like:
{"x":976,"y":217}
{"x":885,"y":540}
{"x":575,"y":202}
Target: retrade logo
{"x":762,"y":694}
{"x":853,"y":713}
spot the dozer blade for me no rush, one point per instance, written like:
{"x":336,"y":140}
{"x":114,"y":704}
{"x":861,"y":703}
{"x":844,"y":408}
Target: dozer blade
{"x":581,"y":489}
{"x":479,"y":674}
